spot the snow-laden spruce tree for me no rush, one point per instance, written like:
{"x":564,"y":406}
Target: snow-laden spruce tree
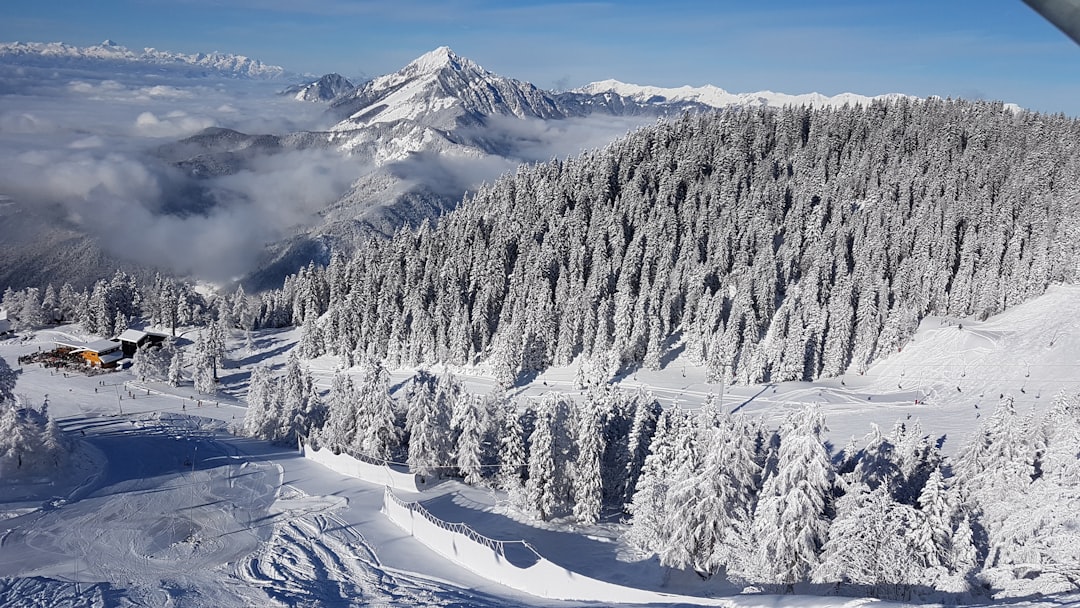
{"x":942,"y":537}
{"x":430,"y":401}
{"x":470,"y":435}
{"x":917,"y":458}
{"x":548,"y":486}
{"x":377,"y":432}
{"x":871,"y":545}
{"x":709,"y":511}
{"x":263,"y":404}
{"x":8,"y":377}
{"x":301,"y":409}
{"x":994,"y":473}
{"x":151,"y":362}
{"x":646,"y":412}
{"x":649,"y":524}
{"x":512,"y":458}
{"x":342,"y":414}
{"x":31,"y":443}
{"x":176,"y":364}
{"x":933,"y":529}
{"x":203,"y":370}
{"x":311,"y":337}
{"x":140,"y":364}
{"x":877,"y":464}
{"x":585,"y":482}
{"x":791,"y":520}
{"x":1033,"y":529}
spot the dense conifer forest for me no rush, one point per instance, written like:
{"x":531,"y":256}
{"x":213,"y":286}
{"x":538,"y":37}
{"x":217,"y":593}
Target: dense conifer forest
{"x":773,"y":244}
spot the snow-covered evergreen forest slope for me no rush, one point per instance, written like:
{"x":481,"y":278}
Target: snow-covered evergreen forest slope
{"x":771,"y":244}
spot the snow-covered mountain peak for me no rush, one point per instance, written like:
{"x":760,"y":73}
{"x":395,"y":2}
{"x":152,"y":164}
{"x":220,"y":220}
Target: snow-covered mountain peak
{"x":440,"y":59}
{"x":326,"y":88}
{"x":441,"y":90}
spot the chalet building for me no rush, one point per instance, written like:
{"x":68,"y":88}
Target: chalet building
{"x":134,"y":339}
{"x":99,"y":353}
{"x":102,"y":353}
{"x":5,"y":323}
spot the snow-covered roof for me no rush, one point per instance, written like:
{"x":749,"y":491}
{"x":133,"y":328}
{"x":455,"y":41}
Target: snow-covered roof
{"x":101,"y":346}
{"x":131,"y":335}
{"x":111,"y":357}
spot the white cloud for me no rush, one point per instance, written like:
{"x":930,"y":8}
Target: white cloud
{"x":164,"y":92}
{"x":24,"y":123}
{"x":174,"y":124}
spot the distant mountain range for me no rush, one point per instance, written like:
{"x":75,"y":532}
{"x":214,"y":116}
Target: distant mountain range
{"x":58,"y":53}
{"x":719,"y":98}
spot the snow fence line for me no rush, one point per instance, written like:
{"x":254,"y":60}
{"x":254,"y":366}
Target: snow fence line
{"x":515,"y":563}
{"x":371,"y":471}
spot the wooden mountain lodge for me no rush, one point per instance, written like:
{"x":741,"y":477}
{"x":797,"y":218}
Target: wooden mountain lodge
{"x":99,"y":353}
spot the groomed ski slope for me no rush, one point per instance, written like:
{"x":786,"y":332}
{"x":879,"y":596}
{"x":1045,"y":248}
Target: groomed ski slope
{"x":162,"y":506}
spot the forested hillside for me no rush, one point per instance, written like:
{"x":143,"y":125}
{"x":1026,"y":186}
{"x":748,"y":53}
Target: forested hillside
{"x":778,"y":244}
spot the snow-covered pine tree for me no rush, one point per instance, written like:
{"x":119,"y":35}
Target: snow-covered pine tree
{"x":203,"y":369}
{"x":512,"y":458}
{"x":933,"y":527}
{"x":343,"y":418}
{"x":548,"y":487}
{"x":470,"y":434}
{"x":311,"y":337}
{"x":585,"y":481}
{"x":428,"y":424}
{"x":141,"y":364}
{"x":378,"y":436}
{"x":176,"y":364}
{"x":1033,"y":529}
{"x":646,"y":412}
{"x":649,"y":523}
{"x":876,"y":465}
{"x":301,"y":408}
{"x":917,"y":457}
{"x":216,"y":342}
{"x":8,"y":377}
{"x":31,"y":442}
{"x":263,"y":410}
{"x":871,"y":545}
{"x":791,"y":520}
{"x":540,"y":486}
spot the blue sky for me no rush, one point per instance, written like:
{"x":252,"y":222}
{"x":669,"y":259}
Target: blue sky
{"x":994,"y":49}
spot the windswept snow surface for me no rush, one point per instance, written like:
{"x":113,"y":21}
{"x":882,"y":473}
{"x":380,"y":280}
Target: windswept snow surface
{"x":163,"y":506}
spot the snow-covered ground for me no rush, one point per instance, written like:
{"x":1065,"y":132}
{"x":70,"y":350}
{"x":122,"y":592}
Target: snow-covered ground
{"x":163,"y":506}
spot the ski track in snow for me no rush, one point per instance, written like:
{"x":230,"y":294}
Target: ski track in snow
{"x":169,"y":511}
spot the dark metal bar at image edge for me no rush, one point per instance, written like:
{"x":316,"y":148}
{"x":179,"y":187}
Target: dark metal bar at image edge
{"x":1065,"y":14}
